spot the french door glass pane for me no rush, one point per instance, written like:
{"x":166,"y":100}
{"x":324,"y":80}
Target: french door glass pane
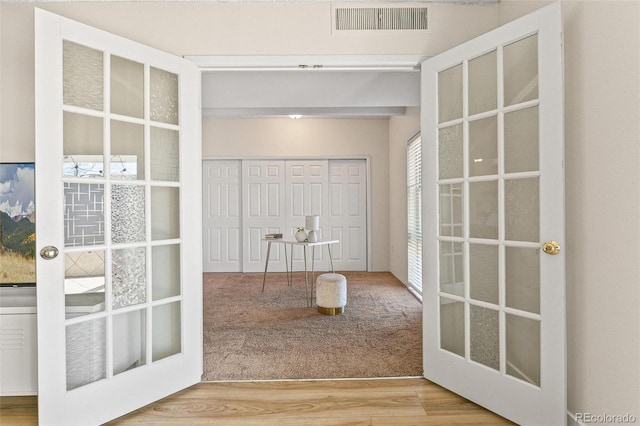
{"x":82,"y":146}
{"x":523,"y":278}
{"x":83,"y":214}
{"x":522,"y":209}
{"x":127,"y":213}
{"x":488,"y":198}
{"x":521,"y":137}
{"x":450,"y":94}
{"x":127,"y":150}
{"x":483,"y":268}
{"x":114,"y":273}
{"x":130,"y":341}
{"x":485,"y":337}
{"x":166,"y":330}
{"x":129,"y":277}
{"x":451,"y":268}
{"x":127,"y":87}
{"x":84,"y":282}
{"x":165,"y":213}
{"x":451,"y":200}
{"x":450,"y":145}
{"x":164,"y":154}
{"x":521,"y":71}
{"x":86,"y":348}
{"x":166,"y":271}
{"x":452,"y":326}
{"x":164,"y":96}
{"x":483,"y":83}
{"x":82,"y":76}
{"x":483,"y":146}
{"x":483,"y":209}
{"x":523,"y":348}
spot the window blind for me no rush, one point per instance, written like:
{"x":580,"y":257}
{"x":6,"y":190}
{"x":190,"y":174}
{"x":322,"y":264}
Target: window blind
{"x":414,"y":212}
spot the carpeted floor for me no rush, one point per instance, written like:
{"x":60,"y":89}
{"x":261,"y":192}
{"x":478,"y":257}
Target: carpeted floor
{"x":250,"y":335}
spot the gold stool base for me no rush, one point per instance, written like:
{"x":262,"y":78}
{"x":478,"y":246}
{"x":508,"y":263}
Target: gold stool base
{"x":330,"y":311}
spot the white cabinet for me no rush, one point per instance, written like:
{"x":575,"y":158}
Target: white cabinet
{"x":18,"y":342}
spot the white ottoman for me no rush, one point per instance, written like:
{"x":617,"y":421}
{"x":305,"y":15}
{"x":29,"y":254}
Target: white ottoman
{"x":331,"y":293}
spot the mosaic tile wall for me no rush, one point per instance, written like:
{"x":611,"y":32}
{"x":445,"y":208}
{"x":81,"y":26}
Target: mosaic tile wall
{"x":83,"y":214}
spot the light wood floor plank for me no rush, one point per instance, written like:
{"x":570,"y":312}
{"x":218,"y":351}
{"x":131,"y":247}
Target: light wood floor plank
{"x":386,"y":402}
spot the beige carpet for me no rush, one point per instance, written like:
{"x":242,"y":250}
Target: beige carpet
{"x":250,"y":335}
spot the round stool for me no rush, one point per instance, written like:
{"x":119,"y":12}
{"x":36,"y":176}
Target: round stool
{"x":331,"y":293}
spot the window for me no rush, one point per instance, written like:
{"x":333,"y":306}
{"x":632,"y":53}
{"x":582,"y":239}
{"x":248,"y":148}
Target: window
{"x":414,"y":213}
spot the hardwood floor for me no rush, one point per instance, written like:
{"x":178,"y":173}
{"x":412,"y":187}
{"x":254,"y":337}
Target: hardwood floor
{"x":372,"y":402}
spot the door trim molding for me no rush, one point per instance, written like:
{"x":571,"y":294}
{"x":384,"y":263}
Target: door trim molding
{"x":307,"y":63}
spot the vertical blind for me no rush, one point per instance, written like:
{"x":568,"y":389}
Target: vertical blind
{"x":414,"y":212}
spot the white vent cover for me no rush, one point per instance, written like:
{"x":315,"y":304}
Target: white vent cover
{"x":381,"y":18}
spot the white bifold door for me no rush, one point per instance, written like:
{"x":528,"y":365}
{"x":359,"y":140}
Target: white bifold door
{"x":246,"y":199}
{"x":493,"y":220}
{"x":118,"y":185}
{"x":222,"y":215}
{"x":263,"y":205}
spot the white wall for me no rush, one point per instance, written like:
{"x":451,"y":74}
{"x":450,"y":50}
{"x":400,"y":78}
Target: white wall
{"x":401,"y":129}
{"x":309,"y":138}
{"x":206,"y":28}
{"x":602,"y":149}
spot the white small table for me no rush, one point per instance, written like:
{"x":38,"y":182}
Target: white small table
{"x":305,"y":244}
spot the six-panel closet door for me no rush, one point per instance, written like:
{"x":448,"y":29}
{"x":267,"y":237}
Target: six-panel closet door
{"x":263,"y":206}
{"x":222,"y":216}
{"x":347,"y":214}
{"x":306,"y":194}
{"x":245,"y":199}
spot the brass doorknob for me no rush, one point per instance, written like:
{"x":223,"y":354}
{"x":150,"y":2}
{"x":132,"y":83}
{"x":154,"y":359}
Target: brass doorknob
{"x":551,"y":247}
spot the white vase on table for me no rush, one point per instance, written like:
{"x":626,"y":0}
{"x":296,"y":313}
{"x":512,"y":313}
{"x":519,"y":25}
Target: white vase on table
{"x":301,"y":236}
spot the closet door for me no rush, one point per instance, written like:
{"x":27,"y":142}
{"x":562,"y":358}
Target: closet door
{"x":222,"y":215}
{"x":263,"y":205}
{"x":306,"y":195}
{"x":347,"y":214}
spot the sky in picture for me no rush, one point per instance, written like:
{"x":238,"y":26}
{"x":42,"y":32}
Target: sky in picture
{"x":17,"y":189}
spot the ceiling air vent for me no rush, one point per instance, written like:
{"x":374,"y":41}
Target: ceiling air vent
{"x":381,"y":18}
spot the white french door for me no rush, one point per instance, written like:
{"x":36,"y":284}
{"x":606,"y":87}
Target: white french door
{"x":493,"y":210}
{"x":119,"y":187}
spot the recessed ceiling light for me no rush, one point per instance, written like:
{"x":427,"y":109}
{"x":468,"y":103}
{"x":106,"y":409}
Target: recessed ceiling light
{"x":295,"y":116}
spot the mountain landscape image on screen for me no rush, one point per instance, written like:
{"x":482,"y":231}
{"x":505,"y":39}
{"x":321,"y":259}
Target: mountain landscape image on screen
{"x":17,"y":224}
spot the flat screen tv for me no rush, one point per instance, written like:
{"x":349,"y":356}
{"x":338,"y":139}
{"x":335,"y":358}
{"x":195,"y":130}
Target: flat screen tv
{"x":17,"y":225}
